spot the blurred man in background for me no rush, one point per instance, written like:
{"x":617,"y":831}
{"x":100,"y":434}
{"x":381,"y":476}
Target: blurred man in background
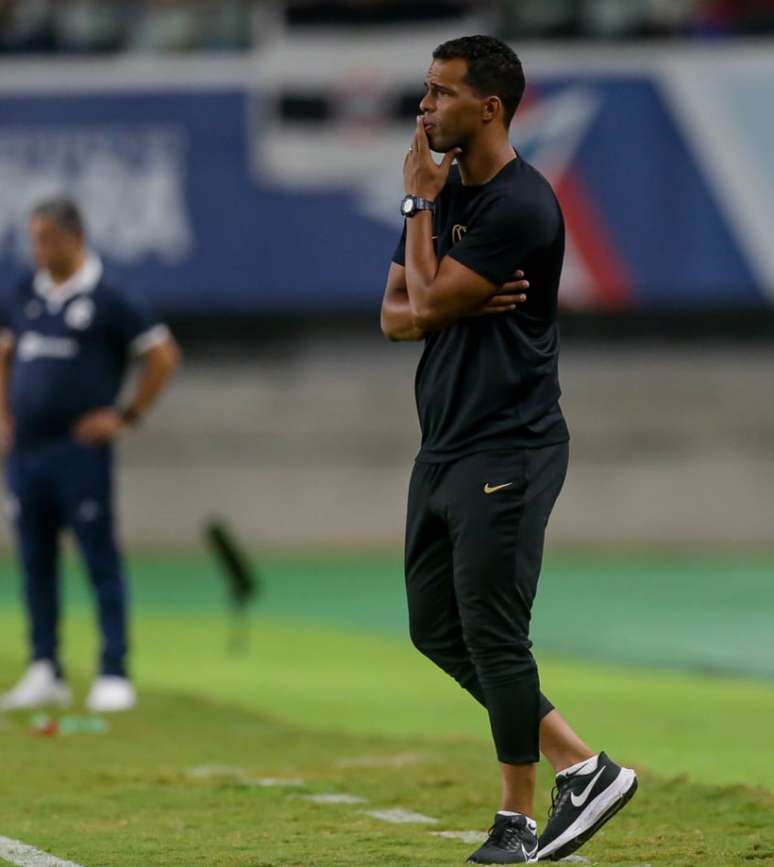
{"x":494,"y":441}
{"x":67,"y":337}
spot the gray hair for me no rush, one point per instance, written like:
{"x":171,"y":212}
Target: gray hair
{"x":64,"y":212}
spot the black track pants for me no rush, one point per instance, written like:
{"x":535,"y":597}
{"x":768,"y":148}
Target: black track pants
{"x":474,"y":548}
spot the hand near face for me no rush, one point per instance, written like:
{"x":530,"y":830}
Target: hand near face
{"x":422,"y":176}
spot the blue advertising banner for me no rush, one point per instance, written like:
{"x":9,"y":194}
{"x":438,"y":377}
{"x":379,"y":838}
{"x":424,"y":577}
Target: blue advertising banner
{"x":174,"y":208}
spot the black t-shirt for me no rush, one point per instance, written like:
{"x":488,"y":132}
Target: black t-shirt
{"x":491,"y":382}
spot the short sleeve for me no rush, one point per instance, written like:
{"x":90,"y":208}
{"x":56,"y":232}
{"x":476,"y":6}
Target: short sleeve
{"x":502,"y":234}
{"x":133,"y":324}
{"x":399,"y":256}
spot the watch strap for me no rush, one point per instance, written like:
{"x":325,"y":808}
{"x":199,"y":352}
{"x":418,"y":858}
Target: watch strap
{"x":424,"y":204}
{"x":130,"y":417}
{"x":418,"y":204}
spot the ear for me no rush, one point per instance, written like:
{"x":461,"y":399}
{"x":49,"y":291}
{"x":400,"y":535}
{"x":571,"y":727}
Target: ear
{"x":492,"y":108}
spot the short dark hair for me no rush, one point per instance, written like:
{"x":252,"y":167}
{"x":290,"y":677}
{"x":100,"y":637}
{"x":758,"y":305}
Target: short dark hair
{"x":493,"y":68}
{"x":63,"y":211}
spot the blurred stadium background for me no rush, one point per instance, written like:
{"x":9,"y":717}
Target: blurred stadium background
{"x":239,"y":164}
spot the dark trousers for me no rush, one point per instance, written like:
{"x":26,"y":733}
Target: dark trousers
{"x":58,"y":486}
{"x":472,"y":565}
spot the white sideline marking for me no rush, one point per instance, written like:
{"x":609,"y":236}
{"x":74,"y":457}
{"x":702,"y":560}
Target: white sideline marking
{"x":575,"y":859}
{"x":268,"y":782}
{"x":206,"y":771}
{"x":466,"y":836}
{"x":400,"y":816}
{"x":335,"y":798}
{"x":26,"y":856}
{"x":401,"y":760}
{"x":225,"y":772}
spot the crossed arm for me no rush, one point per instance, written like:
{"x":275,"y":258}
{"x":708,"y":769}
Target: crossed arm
{"x":428,"y":295}
{"x":409,"y":316}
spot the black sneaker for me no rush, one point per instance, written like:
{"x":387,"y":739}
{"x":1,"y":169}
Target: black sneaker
{"x":512,"y":840}
{"x":581,"y":803}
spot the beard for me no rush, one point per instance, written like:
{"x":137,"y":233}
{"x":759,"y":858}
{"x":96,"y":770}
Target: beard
{"x":439,"y":144}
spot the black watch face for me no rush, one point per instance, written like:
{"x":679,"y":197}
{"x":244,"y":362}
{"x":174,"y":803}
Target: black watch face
{"x":407,"y":206}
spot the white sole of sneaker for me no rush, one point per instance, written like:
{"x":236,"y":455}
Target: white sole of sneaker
{"x":60,"y":701}
{"x":528,"y":861}
{"x":602,"y":808}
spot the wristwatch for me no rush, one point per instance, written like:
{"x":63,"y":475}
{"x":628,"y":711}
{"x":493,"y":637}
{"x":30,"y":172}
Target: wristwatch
{"x":130,"y":417}
{"x":412,"y":205}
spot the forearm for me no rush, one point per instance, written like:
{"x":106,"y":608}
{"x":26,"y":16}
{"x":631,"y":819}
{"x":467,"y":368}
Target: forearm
{"x":397,"y":319}
{"x":442,"y":292}
{"x":156,"y":370}
{"x":437,"y":296}
{"x":421,"y":266}
{"x":5,"y":385}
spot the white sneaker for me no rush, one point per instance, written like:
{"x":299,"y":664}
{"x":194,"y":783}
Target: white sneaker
{"x":110,"y":694}
{"x":40,"y":687}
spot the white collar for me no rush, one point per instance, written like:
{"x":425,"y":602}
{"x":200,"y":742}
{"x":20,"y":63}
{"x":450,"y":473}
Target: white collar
{"x":85,"y":279}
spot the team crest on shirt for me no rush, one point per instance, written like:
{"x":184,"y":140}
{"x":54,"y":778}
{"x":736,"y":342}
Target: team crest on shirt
{"x":80,"y":314}
{"x":457,"y":232}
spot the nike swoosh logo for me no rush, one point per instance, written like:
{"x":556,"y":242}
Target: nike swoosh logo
{"x":491,"y":489}
{"x":581,"y":799}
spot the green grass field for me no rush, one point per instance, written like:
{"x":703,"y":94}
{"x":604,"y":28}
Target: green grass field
{"x":668,"y":670}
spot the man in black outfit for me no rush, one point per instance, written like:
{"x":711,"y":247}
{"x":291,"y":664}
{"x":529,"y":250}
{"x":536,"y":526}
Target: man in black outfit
{"x":494,"y":442}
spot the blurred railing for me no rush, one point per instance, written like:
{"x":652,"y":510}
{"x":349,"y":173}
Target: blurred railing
{"x":105,"y":26}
